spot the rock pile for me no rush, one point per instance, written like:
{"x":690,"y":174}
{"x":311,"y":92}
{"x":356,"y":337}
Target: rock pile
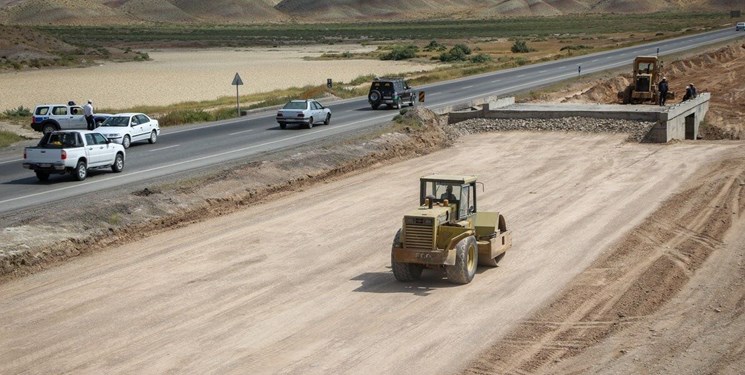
{"x":635,"y":129}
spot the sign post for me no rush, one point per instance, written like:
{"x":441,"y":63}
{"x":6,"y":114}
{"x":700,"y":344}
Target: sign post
{"x":579,"y":70}
{"x":329,"y":83}
{"x":237,"y":81}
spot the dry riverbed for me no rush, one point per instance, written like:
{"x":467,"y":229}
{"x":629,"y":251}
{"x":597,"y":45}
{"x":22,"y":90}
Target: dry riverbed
{"x":175,"y":76}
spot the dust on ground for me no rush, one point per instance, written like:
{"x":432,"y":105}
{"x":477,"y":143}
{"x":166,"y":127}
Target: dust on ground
{"x":663,"y":292}
{"x":292,"y":285}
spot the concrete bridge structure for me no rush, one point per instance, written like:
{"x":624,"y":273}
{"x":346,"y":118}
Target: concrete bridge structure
{"x":677,"y":121}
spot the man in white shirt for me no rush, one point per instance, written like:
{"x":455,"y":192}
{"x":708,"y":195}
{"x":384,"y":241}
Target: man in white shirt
{"x":88,"y":112}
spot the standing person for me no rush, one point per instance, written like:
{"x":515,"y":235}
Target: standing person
{"x":694,"y":94}
{"x":663,"y":88}
{"x":88,"y":112}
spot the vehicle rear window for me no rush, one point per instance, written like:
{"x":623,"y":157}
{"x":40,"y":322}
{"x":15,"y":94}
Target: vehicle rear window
{"x":295,"y":105}
{"x":42,"y":111}
{"x":61,"y":140}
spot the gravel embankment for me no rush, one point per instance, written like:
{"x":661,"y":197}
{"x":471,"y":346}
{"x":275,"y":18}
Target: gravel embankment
{"x":635,"y":129}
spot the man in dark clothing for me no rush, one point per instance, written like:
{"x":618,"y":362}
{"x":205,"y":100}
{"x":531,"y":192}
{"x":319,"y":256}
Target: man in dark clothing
{"x":663,"y":88}
{"x":449,"y":195}
{"x":694,"y":94}
{"x":689,"y":93}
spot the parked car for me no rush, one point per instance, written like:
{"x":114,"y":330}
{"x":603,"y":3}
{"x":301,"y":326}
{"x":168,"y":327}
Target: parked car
{"x":304,"y":112}
{"x":74,"y":152}
{"x":740,"y":26}
{"x":50,"y":117}
{"x":392,"y":92}
{"x":125,"y":128}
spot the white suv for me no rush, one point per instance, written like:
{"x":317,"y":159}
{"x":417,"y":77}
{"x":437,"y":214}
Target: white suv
{"x":740,"y":26}
{"x":50,"y":117}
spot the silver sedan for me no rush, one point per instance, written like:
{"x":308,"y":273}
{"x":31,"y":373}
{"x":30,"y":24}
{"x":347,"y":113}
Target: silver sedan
{"x":304,"y":112}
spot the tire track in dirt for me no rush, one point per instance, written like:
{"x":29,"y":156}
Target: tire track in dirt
{"x":631,"y":282}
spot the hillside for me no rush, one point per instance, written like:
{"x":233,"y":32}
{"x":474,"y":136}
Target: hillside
{"x":124,"y":12}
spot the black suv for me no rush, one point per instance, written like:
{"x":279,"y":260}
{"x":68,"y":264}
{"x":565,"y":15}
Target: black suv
{"x":392,"y":92}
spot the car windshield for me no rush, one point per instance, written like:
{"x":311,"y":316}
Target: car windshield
{"x":295,"y":105}
{"x":116,"y":121}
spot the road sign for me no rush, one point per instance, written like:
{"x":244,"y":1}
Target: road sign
{"x":421,"y":96}
{"x":329,"y":83}
{"x":237,"y":81}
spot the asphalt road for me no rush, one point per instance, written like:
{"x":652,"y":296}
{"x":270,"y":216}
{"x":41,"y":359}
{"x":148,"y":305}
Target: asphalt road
{"x":184,"y":148}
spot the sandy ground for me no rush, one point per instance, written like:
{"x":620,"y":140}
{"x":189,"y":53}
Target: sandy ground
{"x":302,"y":285}
{"x":191,"y":75}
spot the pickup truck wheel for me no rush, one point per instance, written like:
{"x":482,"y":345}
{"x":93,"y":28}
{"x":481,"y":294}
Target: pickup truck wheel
{"x":466,"y":258}
{"x":126,"y":141}
{"x":282,"y":125}
{"x":118,"y":165}
{"x":310,"y":123}
{"x":153,"y":137}
{"x":42,"y":176}
{"x":81,"y":171}
{"x":48,"y":128}
{"x":328,"y":119}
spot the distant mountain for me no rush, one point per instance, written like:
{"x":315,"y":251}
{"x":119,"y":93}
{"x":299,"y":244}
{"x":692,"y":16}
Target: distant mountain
{"x":124,"y":12}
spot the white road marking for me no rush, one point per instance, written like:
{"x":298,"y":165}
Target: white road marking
{"x":466,"y":87}
{"x":496,"y":80}
{"x":242,"y":131}
{"x":163,"y":148}
{"x":11,"y":161}
{"x":594,"y":60}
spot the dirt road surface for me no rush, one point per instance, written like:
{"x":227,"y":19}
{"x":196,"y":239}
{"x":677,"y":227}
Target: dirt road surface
{"x":302,"y":285}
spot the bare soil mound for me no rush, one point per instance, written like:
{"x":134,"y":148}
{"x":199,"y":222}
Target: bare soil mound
{"x":719,"y":72}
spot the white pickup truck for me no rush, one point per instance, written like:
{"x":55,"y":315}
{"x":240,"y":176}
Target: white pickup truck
{"x":73,"y":151}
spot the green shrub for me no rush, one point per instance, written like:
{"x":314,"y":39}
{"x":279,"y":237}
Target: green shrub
{"x":186,"y":117}
{"x":521,"y":47}
{"x":401,"y":53}
{"x":459,"y":52}
{"x":225,"y":113}
{"x":481,"y":58}
{"x":434,"y":46}
{"x":8,"y":138}
{"x":21,"y":111}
